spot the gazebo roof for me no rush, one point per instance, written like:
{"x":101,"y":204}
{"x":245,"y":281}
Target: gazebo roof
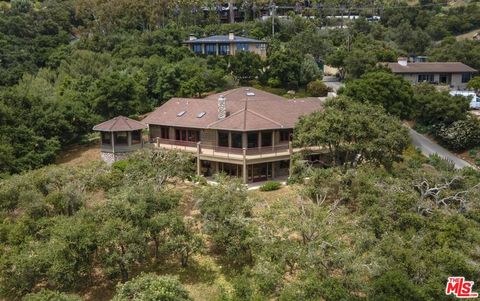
{"x":119,"y":124}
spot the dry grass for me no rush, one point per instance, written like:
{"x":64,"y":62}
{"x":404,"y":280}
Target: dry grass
{"x":467,"y":36}
{"x":76,"y":155}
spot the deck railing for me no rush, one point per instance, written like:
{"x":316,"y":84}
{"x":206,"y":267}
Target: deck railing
{"x":215,"y":150}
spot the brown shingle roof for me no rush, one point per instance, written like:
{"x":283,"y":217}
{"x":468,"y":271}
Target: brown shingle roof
{"x":434,"y":67}
{"x":119,"y":124}
{"x":260,"y":111}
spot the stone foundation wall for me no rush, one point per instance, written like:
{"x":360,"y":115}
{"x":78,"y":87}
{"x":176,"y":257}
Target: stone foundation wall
{"x":110,"y":158}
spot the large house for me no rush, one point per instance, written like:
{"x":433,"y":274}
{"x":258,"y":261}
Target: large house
{"x":243,"y":132}
{"x":226,"y":45}
{"x":453,"y":74}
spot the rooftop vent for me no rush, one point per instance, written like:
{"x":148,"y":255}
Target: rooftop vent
{"x":231,"y":36}
{"x":201,"y":114}
{"x":180,"y":114}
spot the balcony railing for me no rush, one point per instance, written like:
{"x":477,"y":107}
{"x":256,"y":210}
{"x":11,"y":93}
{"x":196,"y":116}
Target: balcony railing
{"x":228,"y":152}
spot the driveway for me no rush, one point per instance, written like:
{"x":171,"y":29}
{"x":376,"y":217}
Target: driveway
{"x":429,"y":147}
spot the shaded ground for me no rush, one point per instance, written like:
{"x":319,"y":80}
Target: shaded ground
{"x":79,"y":154}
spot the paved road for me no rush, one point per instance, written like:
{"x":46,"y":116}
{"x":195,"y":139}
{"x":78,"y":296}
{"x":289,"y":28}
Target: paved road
{"x":332,"y":82}
{"x":428,"y":147}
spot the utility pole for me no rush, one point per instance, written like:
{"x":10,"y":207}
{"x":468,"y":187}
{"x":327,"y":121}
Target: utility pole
{"x":273,"y":7}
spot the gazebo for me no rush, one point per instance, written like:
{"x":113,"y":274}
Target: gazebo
{"x":119,"y":137}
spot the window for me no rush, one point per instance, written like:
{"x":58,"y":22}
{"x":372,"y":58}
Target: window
{"x":106,"y":138}
{"x":198,"y":48}
{"x":136,"y":137}
{"x":266,"y":139}
{"x":237,"y":140}
{"x":193,"y":135}
{"x":425,"y":78}
{"x":242,"y":47}
{"x":284,"y":164}
{"x":223,"y":139}
{"x":252,"y":140}
{"x":121,"y":138}
{"x":164,"y":132}
{"x":444,"y":78}
{"x":211,"y":48}
{"x":466,"y":77}
{"x":285,"y":135}
{"x":187,"y":135}
{"x":223,"y":49}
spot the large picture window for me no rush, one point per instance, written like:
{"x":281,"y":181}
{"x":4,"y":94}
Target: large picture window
{"x":121,"y":138}
{"x":136,"y":137}
{"x":211,"y":48}
{"x":198,"y":48}
{"x":223,"y":139}
{"x":285,"y":135}
{"x":164,"y":132}
{"x":237,"y":140}
{"x":252,"y":139}
{"x":106,"y":138}
{"x":425,"y":78}
{"x":266,"y":139}
{"x":242,"y":47}
{"x":223,"y":49}
{"x":466,"y":77}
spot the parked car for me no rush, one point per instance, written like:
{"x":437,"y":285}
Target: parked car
{"x":475,"y":99}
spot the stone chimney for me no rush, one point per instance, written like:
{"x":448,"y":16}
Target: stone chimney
{"x":402,"y":61}
{"x":191,"y":37}
{"x":222,"y":109}
{"x":231,"y":36}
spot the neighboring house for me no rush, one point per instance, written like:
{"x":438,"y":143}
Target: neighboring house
{"x":243,"y":132}
{"x":226,"y":45}
{"x":119,"y":137}
{"x":453,"y":74}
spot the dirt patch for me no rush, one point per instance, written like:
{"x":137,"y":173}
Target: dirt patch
{"x":79,"y":154}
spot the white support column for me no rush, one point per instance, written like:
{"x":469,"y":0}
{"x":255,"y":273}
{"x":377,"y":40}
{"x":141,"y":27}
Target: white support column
{"x":244,"y":169}
{"x":199,"y":163}
{"x":113,"y":141}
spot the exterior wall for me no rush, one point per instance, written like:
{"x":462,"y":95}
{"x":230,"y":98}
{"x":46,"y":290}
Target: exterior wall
{"x":456,"y":79}
{"x":208,"y":137}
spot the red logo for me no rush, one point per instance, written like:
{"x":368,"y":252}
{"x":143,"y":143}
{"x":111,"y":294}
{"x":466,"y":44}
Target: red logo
{"x":460,"y":288}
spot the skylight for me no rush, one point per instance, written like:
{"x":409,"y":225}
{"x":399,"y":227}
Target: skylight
{"x":250,"y":94}
{"x":180,"y":114}
{"x":201,"y":114}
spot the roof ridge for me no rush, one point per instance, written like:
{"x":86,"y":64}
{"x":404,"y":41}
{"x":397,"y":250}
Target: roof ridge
{"x":220,"y":120}
{"x":265,"y":117}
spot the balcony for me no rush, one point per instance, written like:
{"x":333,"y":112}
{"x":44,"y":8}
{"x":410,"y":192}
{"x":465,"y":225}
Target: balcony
{"x":208,"y":150}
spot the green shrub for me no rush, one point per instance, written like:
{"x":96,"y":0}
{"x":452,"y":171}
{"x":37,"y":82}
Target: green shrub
{"x":317,"y":88}
{"x":120,"y":165}
{"x":48,"y":295}
{"x":270,"y":186}
{"x":461,"y":134}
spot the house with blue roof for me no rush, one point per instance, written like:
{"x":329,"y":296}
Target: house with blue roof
{"x":226,"y":45}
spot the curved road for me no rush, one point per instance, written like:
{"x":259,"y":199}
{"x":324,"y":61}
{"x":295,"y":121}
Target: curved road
{"x":428,"y":147}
